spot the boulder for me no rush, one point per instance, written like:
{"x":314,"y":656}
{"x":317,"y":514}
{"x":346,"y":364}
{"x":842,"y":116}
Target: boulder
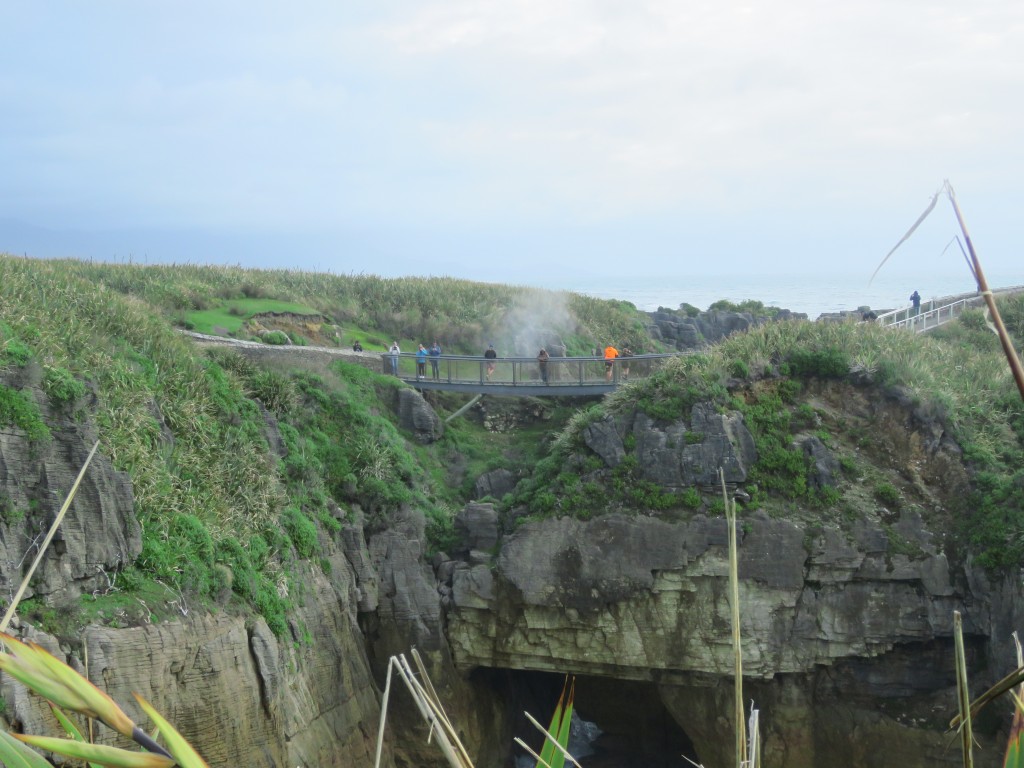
{"x":824,"y":465}
{"x":415,"y":415}
{"x":494,"y":484}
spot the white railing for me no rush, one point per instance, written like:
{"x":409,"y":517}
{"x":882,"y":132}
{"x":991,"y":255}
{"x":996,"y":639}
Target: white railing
{"x":927,"y":316}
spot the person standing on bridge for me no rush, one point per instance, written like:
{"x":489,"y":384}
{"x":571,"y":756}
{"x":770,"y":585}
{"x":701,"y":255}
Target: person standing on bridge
{"x":435,"y":360}
{"x":610,"y":353}
{"x":915,"y":299}
{"x":490,"y":356}
{"x":421,"y":362}
{"x":626,"y":354}
{"x":542,"y":363}
{"x":393,"y":352}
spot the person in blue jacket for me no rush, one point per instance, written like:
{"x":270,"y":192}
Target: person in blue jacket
{"x":421,"y":362}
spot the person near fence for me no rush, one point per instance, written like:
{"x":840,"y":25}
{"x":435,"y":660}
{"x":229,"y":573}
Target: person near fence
{"x":490,"y":355}
{"x":625,"y":355}
{"x":421,"y":362}
{"x":915,"y":300}
{"x":542,"y":363}
{"x":394,"y":351}
{"x":610,"y":353}
{"x":435,"y":360}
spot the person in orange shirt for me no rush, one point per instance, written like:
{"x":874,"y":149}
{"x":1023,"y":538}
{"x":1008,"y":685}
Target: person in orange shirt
{"x":610,"y":353}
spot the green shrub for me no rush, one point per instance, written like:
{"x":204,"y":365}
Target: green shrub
{"x":886,"y":493}
{"x":849,"y":467}
{"x":826,"y":497}
{"x":739,"y":369}
{"x":302,"y":532}
{"x":274,"y":390}
{"x":823,"y":364}
{"x":62,"y":387}
{"x":690,"y":498}
{"x":274,"y":337}
{"x":18,"y":410}
{"x":14,"y":352}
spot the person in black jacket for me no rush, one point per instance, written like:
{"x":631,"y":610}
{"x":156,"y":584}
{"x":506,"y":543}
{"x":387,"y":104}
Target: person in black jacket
{"x":490,"y":355}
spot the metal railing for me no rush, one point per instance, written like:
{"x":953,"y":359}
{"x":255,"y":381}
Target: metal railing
{"x":927,"y":316}
{"x":522,"y":371}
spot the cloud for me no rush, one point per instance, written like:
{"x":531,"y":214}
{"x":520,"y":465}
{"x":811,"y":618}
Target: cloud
{"x":576,"y":130}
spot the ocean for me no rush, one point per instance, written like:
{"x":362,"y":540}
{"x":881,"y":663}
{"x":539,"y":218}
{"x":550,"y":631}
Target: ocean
{"x":811,"y":294}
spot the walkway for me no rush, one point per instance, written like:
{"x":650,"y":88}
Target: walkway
{"x":521,"y":376}
{"x":937,"y":312}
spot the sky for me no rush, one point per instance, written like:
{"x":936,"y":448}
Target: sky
{"x":527,"y":141}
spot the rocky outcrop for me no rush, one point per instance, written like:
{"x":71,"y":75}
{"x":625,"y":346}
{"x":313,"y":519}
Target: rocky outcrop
{"x":495,"y":484}
{"x":100,"y":533}
{"x":415,"y":415}
{"x":645,"y":599}
{"x":237,"y":692}
{"x":683,"y":453}
{"x":688,"y":332}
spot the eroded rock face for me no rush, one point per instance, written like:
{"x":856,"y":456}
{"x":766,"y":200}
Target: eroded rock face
{"x":680,"y":454}
{"x":707,"y":328}
{"x":837,"y":627}
{"x":99,"y":534}
{"x":241,"y":695}
{"x":416,"y":416}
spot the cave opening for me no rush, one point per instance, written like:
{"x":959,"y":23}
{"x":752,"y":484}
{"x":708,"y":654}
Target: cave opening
{"x":618,"y":723}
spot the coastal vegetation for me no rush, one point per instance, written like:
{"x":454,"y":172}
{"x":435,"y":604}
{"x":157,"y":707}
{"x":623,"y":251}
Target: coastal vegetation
{"x":223,"y":514}
{"x":774,"y":375}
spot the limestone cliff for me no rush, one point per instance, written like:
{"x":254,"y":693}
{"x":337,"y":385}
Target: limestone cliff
{"x":846,"y":621}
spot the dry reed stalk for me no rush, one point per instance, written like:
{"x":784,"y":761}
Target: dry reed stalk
{"x":431,"y":711}
{"x":46,"y":542}
{"x":963,"y":696}
{"x":734,"y":595}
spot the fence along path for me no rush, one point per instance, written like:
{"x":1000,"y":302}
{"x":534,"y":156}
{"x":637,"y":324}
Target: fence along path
{"x":936,"y":312}
{"x":566,"y":376}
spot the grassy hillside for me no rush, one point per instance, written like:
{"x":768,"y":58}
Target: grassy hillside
{"x":796,"y":378}
{"x":223,"y":514}
{"x":219,"y":510}
{"x":464,"y":316}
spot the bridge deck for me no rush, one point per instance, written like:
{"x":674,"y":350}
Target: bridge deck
{"x":522,"y":376}
{"x":556,"y":389}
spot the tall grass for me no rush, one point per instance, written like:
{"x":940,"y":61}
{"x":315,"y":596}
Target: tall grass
{"x":464,"y":315}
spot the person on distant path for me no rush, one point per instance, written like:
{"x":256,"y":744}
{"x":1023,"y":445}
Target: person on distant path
{"x":490,"y":355}
{"x":915,"y":299}
{"x":610,"y":353}
{"x":435,"y":359}
{"x":626,"y":354}
{"x":356,"y":346}
{"x":394,"y":352}
{"x":542,"y":363}
{"x":421,"y":362}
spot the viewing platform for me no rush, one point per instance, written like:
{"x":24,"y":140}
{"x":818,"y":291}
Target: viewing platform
{"x":521,"y":376}
{"x":936,"y":312}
